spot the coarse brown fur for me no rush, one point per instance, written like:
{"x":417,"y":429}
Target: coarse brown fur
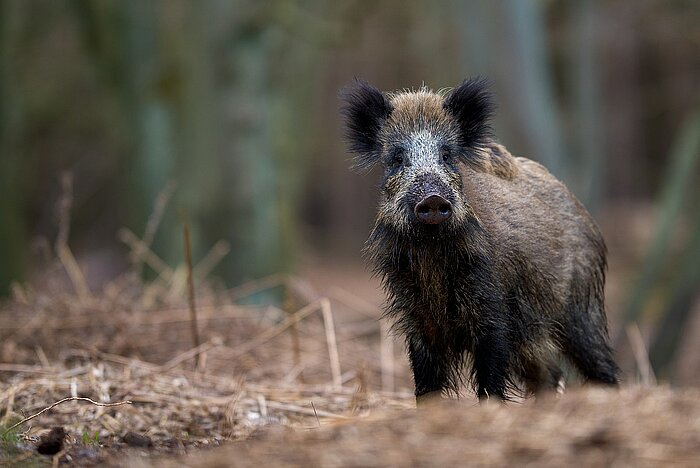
{"x":512,"y":283}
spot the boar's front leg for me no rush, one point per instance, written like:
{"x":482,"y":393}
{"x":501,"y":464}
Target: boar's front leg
{"x":492,"y":354}
{"x":431,"y":369}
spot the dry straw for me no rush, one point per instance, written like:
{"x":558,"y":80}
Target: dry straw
{"x":130,"y":341}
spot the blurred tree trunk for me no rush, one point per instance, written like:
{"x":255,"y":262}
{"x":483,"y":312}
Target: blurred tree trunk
{"x":587,"y":107}
{"x":121,"y":38}
{"x":251,"y":209}
{"x":684,"y":158}
{"x":238,"y":160}
{"x":266,"y":105}
{"x":478,"y":46}
{"x":530,"y":74}
{"x":675,"y":317}
{"x":150,"y":114}
{"x":12,"y":228}
{"x":522,"y":72}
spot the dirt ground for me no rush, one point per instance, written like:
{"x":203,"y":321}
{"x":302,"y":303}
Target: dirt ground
{"x":593,"y":427}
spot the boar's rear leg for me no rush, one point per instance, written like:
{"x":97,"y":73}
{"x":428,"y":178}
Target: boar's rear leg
{"x":542,"y":377}
{"x":585,"y":342}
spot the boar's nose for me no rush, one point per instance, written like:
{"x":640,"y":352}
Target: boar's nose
{"x":433,"y":209}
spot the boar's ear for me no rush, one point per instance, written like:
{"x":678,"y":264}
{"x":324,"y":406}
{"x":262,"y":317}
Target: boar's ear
{"x":471,"y":104}
{"x":365,"y":109}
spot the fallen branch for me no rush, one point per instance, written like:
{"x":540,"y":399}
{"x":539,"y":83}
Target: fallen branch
{"x":29,"y":418}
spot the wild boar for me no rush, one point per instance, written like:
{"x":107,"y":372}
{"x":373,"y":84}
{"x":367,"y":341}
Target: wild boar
{"x":493,"y":270}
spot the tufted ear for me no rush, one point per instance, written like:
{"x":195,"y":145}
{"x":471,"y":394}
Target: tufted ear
{"x":365,"y":109}
{"x":471,"y":104}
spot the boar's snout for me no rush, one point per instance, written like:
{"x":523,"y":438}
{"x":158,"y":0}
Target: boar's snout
{"x":433,"y":209}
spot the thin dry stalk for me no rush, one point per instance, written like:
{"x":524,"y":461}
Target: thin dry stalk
{"x":386,"y":356}
{"x":127,"y":361}
{"x":355,"y":302}
{"x":332,"y":342}
{"x":189,"y":354}
{"x":64,"y":208}
{"x":255,"y":286}
{"x":156,"y":217}
{"x":152,"y":224}
{"x":262,"y":407}
{"x":53,"y":405}
{"x":302,"y":288}
{"x":9,"y":407}
{"x":293,"y":331}
{"x":74,"y":273}
{"x":190,"y":292}
{"x":152,"y":260}
{"x":211,"y":259}
{"x":315,"y":413}
{"x":62,"y":250}
{"x":641,"y":356}
{"x":56,"y":460}
{"x":270,"y":333}
{"x":24,"y":368}
{"x":42,"y":356}
{"x":301,"y":410}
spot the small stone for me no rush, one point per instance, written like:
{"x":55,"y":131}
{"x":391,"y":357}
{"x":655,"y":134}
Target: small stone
{"x":52,"y":442}
{"x":132,"y":439}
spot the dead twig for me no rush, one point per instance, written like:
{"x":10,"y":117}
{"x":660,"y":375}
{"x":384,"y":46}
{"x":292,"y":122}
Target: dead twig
{"x":9,"y":367}
{"x":261,"y":284}
{"x":301,"y":410}
{"x":293,"y":330}
{"x":53,"y":405}
{"x":152,"y":260}
{"x":74,"y":273}
{"x":152,"y":224}
{"x":270,"y":333}
{"x":65,"y":204}
{"x":56,"y":459}
{"x":355,"y":302}
{"x":189,"y":354}
{"x":315,"y":414}
{"x":386,"y":356}
{"x":154,"y":220}
{"x":641,"y":356}
{"x":64,"y":253}
{"x":9,"y":407}
{"x":211,"y":259}
{"x":332,"y":342}
{"x":190,"y":292}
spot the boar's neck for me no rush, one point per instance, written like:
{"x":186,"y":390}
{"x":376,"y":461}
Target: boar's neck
{"x":431,"y":284}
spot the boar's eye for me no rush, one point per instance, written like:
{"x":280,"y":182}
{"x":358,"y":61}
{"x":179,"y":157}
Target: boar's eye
{"x":397,"y":157}
{"x":446,"y":154}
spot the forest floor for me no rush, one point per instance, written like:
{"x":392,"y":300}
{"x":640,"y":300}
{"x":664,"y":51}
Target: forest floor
{"x":315,"y":381}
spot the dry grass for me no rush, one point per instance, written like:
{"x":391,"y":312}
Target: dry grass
{"x":305,"y":366}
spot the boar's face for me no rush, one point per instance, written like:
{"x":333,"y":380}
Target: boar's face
{"x":419,"y":138}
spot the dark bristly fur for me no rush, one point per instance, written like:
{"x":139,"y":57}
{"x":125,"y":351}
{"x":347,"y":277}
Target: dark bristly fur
{"x":472,"y":106}
{"x":366,"y":111}
{"x":512,"y":282}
